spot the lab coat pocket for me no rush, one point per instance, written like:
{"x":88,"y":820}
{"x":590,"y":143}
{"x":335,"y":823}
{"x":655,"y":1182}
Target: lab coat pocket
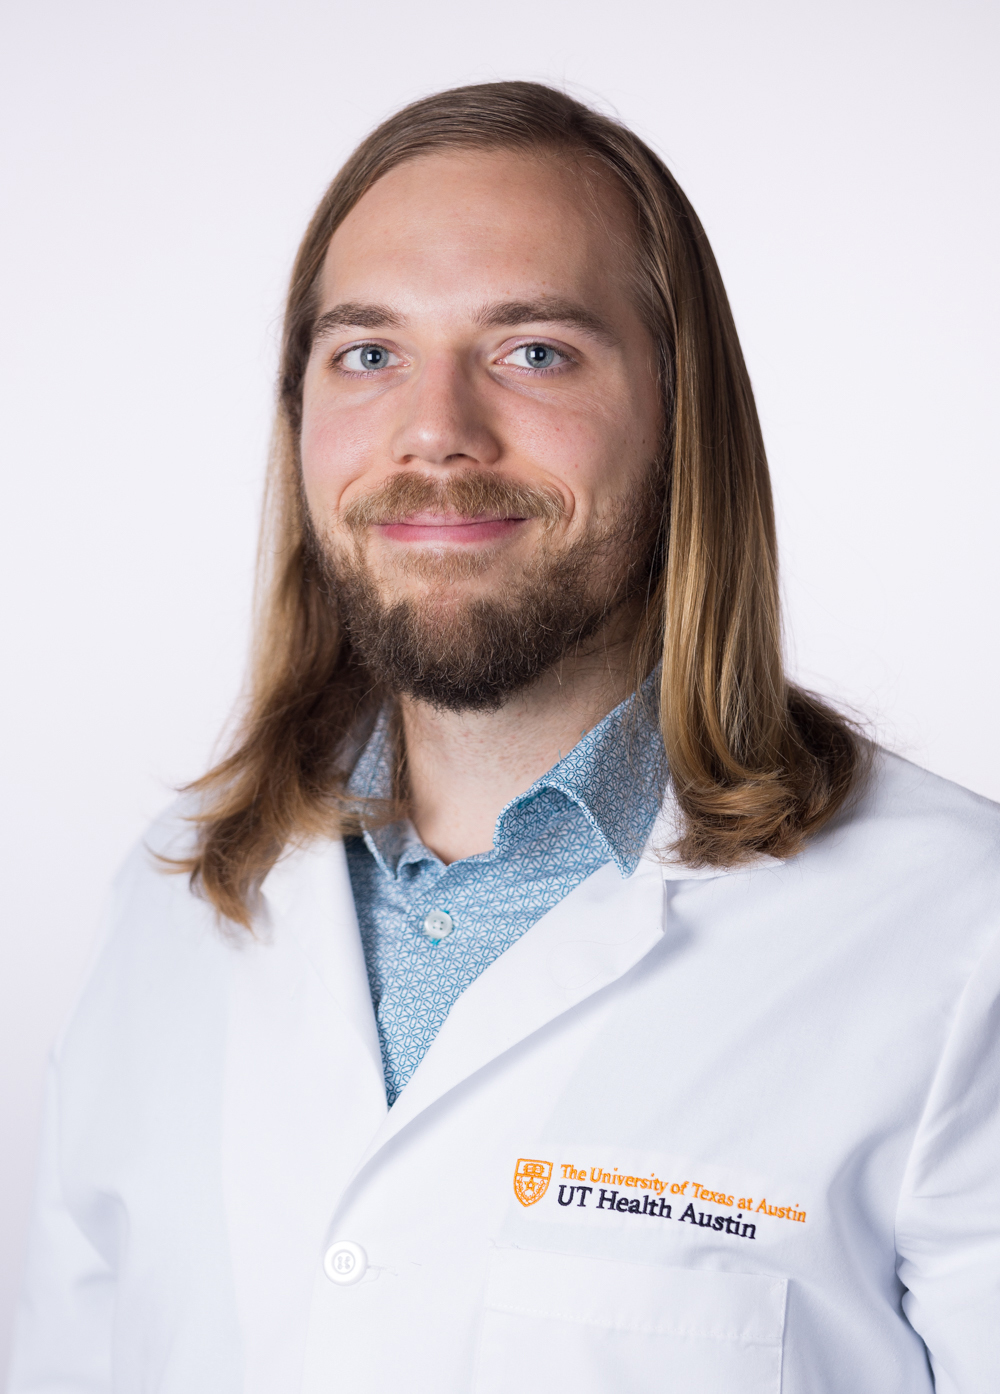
{"x":599,"y":1326}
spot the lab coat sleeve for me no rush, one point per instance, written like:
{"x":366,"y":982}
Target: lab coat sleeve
{"x":63,"y":1330}
{"x":948,"y":1224}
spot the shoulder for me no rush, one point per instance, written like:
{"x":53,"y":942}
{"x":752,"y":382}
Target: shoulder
{"x":908,"y":813}
{"x":158,"y":937}
{"x":915,"y":855}
{"x":174,"y":832}
{"x":152,"y":873}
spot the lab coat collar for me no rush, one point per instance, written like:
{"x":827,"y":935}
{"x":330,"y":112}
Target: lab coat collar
{"x":308,"y":892}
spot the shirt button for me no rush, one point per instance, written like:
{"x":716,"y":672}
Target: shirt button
{"x":438,"y":925}
{"x":345,"y":1262}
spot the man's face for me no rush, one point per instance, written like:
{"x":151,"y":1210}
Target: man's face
{"x":481,"y":420}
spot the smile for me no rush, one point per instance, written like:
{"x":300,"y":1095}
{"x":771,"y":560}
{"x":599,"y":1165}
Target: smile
{"x":449,"y":528}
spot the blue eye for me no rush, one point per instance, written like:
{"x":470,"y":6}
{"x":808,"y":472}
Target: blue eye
{"x":535,"y":356}
{"x":366,"y":358}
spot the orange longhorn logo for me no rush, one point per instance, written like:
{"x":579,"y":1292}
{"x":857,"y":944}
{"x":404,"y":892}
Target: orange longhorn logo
{"x":531,"y":1179}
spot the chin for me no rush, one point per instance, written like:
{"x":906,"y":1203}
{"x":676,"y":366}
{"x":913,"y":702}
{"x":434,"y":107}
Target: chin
{"x":428,"y":573}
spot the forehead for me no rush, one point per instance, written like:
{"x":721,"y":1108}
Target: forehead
{"x":487,"y":223}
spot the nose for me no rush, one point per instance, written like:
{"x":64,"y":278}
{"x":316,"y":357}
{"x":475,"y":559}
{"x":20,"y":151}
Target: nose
{"x":443,"y":421}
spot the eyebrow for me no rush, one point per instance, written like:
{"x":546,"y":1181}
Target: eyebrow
{"x":353,"y":315}
{"x":510,"y":313}
{"x":504,"y":314}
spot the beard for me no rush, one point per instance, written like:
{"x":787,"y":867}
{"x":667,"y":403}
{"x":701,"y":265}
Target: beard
{"x":475,"y":654}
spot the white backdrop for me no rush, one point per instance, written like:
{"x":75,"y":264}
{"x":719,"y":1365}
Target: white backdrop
{"x":161,"y":162}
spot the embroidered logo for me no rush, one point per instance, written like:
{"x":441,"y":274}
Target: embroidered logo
{"x":652,"y":1193}
{"x":531,"y":1179}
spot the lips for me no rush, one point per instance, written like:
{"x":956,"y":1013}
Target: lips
{"x":449,"y":528}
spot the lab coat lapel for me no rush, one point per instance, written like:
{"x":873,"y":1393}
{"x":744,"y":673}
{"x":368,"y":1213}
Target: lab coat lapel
{"x":592,"y":937}
{"x":308,"y":896}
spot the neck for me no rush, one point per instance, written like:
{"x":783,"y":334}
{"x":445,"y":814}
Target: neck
{"x":463,"y":767}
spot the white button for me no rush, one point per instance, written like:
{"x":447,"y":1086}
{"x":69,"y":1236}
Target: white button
{"x":438,"y":924}
{"x":345,"y":1262}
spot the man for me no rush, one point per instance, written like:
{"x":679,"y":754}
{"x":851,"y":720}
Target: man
{"x":557,"y":998}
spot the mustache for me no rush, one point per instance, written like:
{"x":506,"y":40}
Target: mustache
{"x":468,"y":494}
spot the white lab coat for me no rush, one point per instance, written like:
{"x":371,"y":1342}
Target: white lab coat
{"x":812,"y":1046}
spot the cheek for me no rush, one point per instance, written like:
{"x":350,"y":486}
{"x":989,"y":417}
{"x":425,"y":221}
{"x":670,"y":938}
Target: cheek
{"x":335,"y":450}
{"x":566,"y":436}
{"x":593,"y":449}
{"x":626,"y":440}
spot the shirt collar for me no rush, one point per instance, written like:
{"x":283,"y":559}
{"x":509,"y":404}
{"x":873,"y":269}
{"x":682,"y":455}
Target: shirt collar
{"x":616,"y":775}
{"x":372,"y":779}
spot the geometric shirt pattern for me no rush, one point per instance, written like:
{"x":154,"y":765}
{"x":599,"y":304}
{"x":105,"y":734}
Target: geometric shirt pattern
{"x":596,"y":805}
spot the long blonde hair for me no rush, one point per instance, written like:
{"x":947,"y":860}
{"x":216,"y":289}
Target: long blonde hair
{"x":756,"y":764}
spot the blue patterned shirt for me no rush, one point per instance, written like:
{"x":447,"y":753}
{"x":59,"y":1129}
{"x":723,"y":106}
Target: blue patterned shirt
{"x":429,"y":929}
